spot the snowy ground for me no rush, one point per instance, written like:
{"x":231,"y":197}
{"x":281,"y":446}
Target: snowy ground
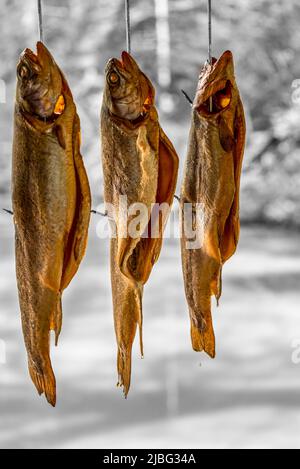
{"x":249,"y":397}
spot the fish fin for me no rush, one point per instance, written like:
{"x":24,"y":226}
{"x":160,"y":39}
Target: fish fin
{"x":167,"y":181}
{"x":203,"y":336}
{"x":231,"y":232}
{"x":219,"y":291}
{"x":56,"y":319}
{"x":216,"y":285}
{"x":211,"y":246}
{"x":147,"y":250}
{"x":226,"y":136}
{"x":168,"y":170}
{"x":44,"y":381}
{"x":132,"y":247}
{"x":77,"y":241}
{"x":139,"y":294}
{"x":60,"y":134}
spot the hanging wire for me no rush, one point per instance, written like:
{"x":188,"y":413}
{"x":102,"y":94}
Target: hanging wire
{"x":40,"y":14}
{"x":128,"y":25}
{"x":41,"y":34}
{"x":209,"y":32}
{"x":210,"y":45}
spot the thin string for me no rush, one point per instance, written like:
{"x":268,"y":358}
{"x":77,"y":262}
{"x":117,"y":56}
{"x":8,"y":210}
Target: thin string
{"x":210,"y":45}
{"x":94,"y":212}
{"x":40,"y":14}
{"x":128,"y":25}
{"x":209,"y":32}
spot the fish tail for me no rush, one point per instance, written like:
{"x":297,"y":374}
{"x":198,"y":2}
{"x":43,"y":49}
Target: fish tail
{"x":128,"y":316}
{"x":44,"y":380}
{"x":203,"y":336}
{"x":131,"y":318}
{"x":124,"y":370}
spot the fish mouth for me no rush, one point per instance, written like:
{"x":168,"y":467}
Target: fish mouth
{"x":35,"y":60}
{"x":216,"y":85}
{"x":124,"y":67}
{"x":124,"y":63}
{"x":29,"y":56}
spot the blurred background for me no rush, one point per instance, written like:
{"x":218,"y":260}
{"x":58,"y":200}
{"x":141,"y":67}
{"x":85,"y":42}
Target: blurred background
{"x":250,"y":395}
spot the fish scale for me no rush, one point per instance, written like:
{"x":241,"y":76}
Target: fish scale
{"x":208,"y":164}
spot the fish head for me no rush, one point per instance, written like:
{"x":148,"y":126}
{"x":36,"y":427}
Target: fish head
{"x":128,"y":94}
{"x":217,"y":91}
{"x":40,"y":84}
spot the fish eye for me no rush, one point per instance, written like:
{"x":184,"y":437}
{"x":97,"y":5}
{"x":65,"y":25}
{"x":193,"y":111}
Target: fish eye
{"x":113,"y":78}
{"x":24,"y":72}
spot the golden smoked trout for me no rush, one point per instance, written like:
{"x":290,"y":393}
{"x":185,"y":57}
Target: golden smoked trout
{"x":210,"y":193}
{"x":139,"y":163}
{"x":51,"y":205}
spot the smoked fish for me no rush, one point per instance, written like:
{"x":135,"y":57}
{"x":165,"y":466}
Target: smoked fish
{"x":210,"y":193}
{"x":141,"y":164}
{"x":51,"y":205}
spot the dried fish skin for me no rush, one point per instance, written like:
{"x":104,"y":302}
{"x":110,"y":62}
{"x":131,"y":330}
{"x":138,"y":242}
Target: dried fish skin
{"x":212,"y":181}
{"x":51,"y":205}
{"x":139,"y":162}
